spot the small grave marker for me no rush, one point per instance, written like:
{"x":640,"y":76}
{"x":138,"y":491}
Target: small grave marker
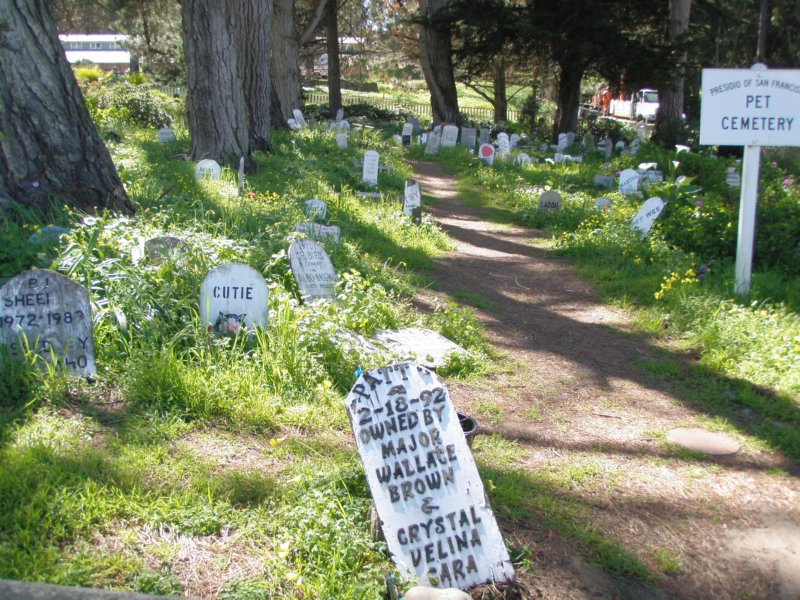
{"x":628,"y":182}
{"x":421,"y":472}
{"x":620,"y":145}
{"x":339,"y":115}
{"x":316,"y":209}
{"x":341,"y":141}
{"x":432,"y":144}
{"x":207,"y":169}
{"x":52,"y":316}
{"x":503,"y":144}
{"x":405,"y":138}
{"x":644,"y":219}
{"x":234,"y":297}
{"x":166,"y":135}
{"x":523,"y":160}
{"x":701,"y":440}
{"x":608,"y":148}
{"x":604,"y":181}
{"x":635,"y":145}
{"x":317,"y":231}
{"x":293,"y":124}
{"x":486,"y":154}
{"x":562,"y":142}
{"x":483,"y":136}
{"x":312,"y":270}
{"x":603,"y":202}
{"x":732,"y":177}
{"x":369,"y":173}
{"x":681,"y":148}
{"x":415,"y":125}
{"x":550,"y":201}
{"x":468,"y":137}
{"x":156,"y":250}
{"x":513,"y":141}
{"x":588,"y":141}
{"x":449,"y":136}
{"x":298,"y":117}
{"x":650,"y":177}
{"x":412,"y":198}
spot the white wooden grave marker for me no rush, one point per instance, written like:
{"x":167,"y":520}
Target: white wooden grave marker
{"x":166,"y":135}
{"x":449,"y":136}
{"x":752,"y":108}
{"x":486,"y":154}
{"x":628,"y":182}
{"x":550,"y":201}
{"x":234,"y":297}
{"x":207,"y":169}
{"x":412,"y":198}
{"x":369,"y":173}
{"x":644,"y":219}
{"x":312,"y":270}
{"x":50,"y":315}
{"x":424,"y":481}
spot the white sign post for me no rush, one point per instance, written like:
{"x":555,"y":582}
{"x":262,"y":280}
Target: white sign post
{"x":751,"y":108}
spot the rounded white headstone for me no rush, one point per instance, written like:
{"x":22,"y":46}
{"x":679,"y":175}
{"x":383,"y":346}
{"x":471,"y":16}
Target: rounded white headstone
{"x":486,"y":153}
{"x":550,"y":201}
{"x":312,"y":270}
{"x":341,"y":141}
{"x":644,"y":219}
{"x":207,"y":169}
{"x":628,"y":182}
{"x":166,"y":135}
{"x":234,"y":296}
{"x":523,"y":160}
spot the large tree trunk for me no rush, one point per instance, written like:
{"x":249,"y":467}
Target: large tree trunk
{"x":334,"y":70}
{"x":49,"y":146}
{"x":437,"y":64}
{"x":215,"y":106}
{"x":285,"y":60}
{"x":253,"y":37}
{"x":500,"y":101}
{"x":571,"y":70}
{"x":670,"y":97}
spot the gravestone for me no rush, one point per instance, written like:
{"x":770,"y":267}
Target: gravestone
{"x":234,"y":297}
{"x":207,"y":169}
{"x":412,"y":198}
{"x":570,"y":158}
{"x":559,"y":158}
{"x":415,"y":127}
{"x":523,"y":160}
{"x":550,"y":201}
{"x":620,"y":145}
{"x":298,"y":117}
{"x":341,"y":141}
{"x":50,"y":315}
{"x":240,"y":180}
{"x":369,"y":173}
{"x":339,"y":115}
{"x":570,"y":138}
{"x":609,"y":148}
{"x":635,"y":145}
{"x":312,"y":271}
{"x":562,"y":142}
{"x":483,"y":136}
{"x":432,"y":144}
{"x":650,"y":177}
{"x":513,"y":141}
{"x":449,"y":136}
{"x":424,"y":481}
{"x":49,"y":234}
{"x":486,"y":154}
{"x":316,"y":209}
{"x":732,"y":177}
{"x":641,"y":131}
{"x":317,"y":231}
{"x":602,"y":202}
{"x":604,"y":181}
{"x":628,"y":182}
{"x":424,"y":346}
{"x":293,"y":124}
{"x":156,"y":250}
{"x":405,"y":138}
{"x":643,"y":220}
{"x":588,"y":141}
{"x":468,"y":137}
{"x":166,"y":135}
{"x":503,"y":145}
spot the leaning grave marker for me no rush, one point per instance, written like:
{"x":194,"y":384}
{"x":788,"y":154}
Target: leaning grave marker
{"x":233,"y":297}
{"x":299,"y":119}
{"x":412,"y":198}
{"x":369,"y":173}
{"x":424,"y":481}
{"x":52,"y":316}
{"x":312,"y":270}
{"x":644,"y":219}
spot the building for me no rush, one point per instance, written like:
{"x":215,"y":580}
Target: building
{"x":102,"y":49}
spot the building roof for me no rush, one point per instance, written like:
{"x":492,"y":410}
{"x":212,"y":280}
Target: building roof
{"x":99,"y":57}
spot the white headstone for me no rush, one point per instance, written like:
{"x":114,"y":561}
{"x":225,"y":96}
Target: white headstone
{"x":298,"y":117}
{"x":50,"y":315}
{"x":424,"y":346}
{"x":513,"y":141}
{"x":449,"y":136}
{"x":312,"y":270}
{"x":732,"y":177}
{"x":156,"y":250}
{"x":635,"y":145}
{"x":468,"y":137}
{"x":233,"y":297}
{"x":628,"y":182}
{"x":550,"y":201}
{"x":432,"y":144}
{"x":317,"y":231}
{"x":602,"y":202}
{"x":562,"y":142}
{"x":641,"y":131}
{"x":293,"y":124}
{"x":503,"y":144}
{"x":166,"y":135}
{"x":207,"y":169}
{"x":341,"y":141}
{"x":369,"y":173}
{"x":412,"y":198}
{"x":559,"y":158}
{"x":522,"y":160}
{"x":316,"y":209}
{"x":423,"y":478}
{"x":483,"y":136}
{"x":339,"y":115}
{"x":486,"y":153}
{"x":408,"y":130}
{"x":643,"y":220}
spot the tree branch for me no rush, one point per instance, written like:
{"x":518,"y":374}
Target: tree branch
{"x":316,"y":17}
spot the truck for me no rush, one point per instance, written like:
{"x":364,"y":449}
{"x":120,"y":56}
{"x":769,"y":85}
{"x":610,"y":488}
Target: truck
{"x":641,"y":106}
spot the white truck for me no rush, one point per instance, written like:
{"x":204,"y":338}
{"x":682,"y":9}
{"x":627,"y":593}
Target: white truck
{"x":642,"y":106}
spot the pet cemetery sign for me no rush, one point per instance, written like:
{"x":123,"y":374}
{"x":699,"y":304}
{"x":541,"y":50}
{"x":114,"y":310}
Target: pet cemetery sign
{"x":752,"y":108}
{"x":424,"y":481}
{"x":49,"y":315}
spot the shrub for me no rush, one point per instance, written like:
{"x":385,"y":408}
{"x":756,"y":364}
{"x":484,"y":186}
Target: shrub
{"x":120,"y":101}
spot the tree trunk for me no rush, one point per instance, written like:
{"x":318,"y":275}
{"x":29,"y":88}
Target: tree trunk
{"x":569,"y":95}
{"x":253,"y":37}
{"x":215,"y":107}
{"x":285,"y":60}
{"x":437,"y":64}
{"x":500,"y":102}
{"x":48,"y":143}
{"x":763,"y":25}
{"x":670,"y":97}
{"x":334,"y":70}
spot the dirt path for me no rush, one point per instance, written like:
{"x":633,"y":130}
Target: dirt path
{"x":587,"y":422}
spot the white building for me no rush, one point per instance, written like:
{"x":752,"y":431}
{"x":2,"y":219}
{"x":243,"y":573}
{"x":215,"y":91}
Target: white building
{"x":103,"y":49}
